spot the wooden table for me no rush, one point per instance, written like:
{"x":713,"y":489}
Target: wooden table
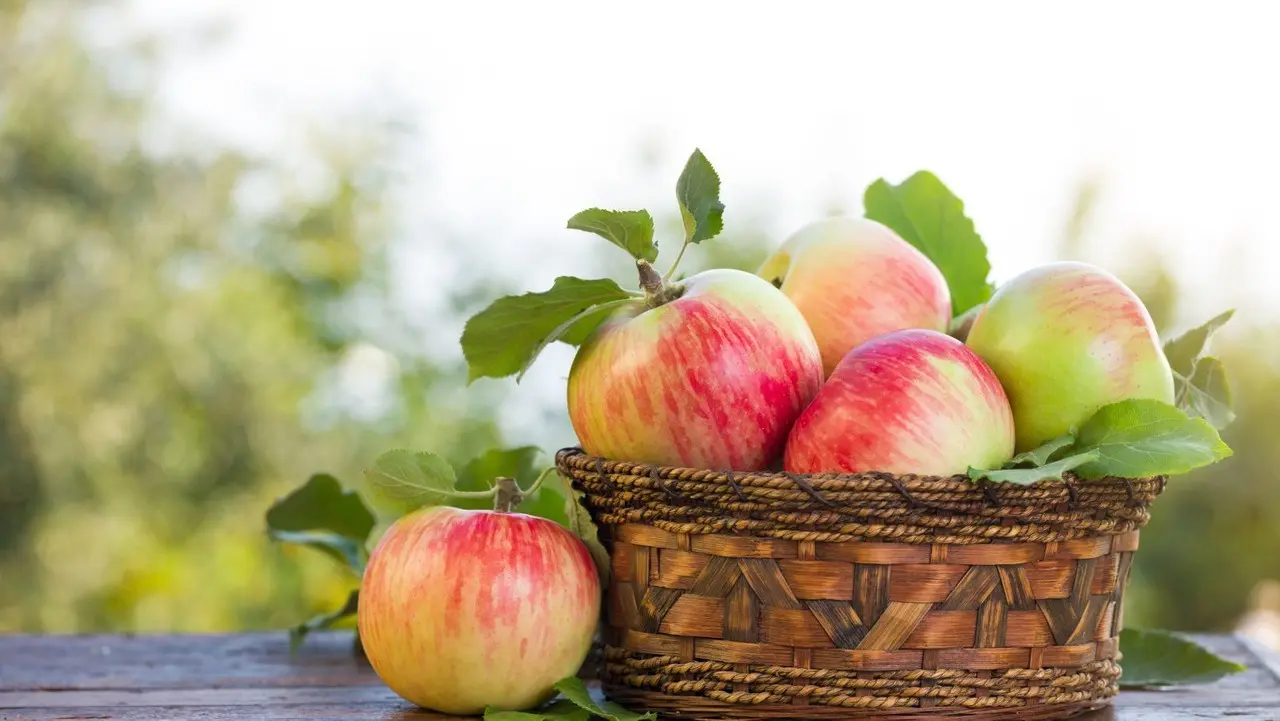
{"x":252,"y":676}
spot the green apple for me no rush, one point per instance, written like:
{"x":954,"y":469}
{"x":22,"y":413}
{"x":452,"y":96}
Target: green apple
{"x":1065,"y":339}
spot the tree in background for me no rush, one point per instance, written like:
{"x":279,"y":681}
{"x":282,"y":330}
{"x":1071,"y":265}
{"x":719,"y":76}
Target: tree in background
{"x":172,"y":359}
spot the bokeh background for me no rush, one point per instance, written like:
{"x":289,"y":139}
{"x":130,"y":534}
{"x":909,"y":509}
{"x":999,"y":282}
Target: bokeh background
{"x":238,"y":241}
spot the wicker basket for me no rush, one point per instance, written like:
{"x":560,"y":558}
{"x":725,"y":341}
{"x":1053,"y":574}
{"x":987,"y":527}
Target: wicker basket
{"x":763,"y":595}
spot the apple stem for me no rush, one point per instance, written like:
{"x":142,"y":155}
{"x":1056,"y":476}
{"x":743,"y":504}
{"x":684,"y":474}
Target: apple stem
{"x":650,"y":282}
{"x":508,"y":495}
{"x":656,"y":291}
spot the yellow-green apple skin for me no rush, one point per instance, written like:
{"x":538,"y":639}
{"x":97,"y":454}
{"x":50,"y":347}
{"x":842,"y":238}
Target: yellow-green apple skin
{"x":854,"y":279}
{"x":1065,"y":339}
{"x":713,"y":379}
{"x":460,"y":609}
{"x":912,"y":401}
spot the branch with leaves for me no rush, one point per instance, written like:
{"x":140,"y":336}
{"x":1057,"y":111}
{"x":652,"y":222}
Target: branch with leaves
{"x":506,"y":337}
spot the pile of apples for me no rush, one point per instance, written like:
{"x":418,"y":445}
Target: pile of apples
{"x":840,"y":355}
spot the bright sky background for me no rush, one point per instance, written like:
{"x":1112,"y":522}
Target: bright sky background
{"x":530,"y":112}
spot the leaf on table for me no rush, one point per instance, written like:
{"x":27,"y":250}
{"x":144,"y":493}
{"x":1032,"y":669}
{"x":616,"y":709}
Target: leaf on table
{"x":631,"y":230}
{"x":298,"y":633}
{"x":575,"y":690}
{"x":1040,"y":456}
{"x":698,"y":190}
{"x":1141,"y":438}
{"x":929,"y":216}
{"x":411,"y":480}
{"x":561,"y":710}
{"x":1158,"y":658}
{"x":506,"y":337}
{"x":323,"y":515}
{"x":580,"y":522}
{"x":1027,"y":476}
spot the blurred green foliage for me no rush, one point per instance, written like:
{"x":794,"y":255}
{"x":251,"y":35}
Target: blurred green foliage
{"x":173,"y":358}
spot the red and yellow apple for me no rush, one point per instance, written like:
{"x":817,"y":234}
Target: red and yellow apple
{"x":1065,"y":339}
{"x":912,"y":401}
{"x":854,"y":279}
{"x":461,"y":609}
{"x":710,"y":373}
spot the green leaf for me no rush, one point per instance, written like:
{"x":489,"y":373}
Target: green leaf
{"x":579,"y":521}
{"x":698,"y":191}
{"x":929,"y":216}
{"x":1140,"y":438}
{"x":504,"y":338}
{"x":631,"y":230}
{"x":579,"y":326}
{"x":411,"y":480}
{"x":576,"y":691}
{"x":562,"y":710}
{"x":1207,"y":394}
{"x":299,"y":632}
{"x":1158,"y":658}
{"x":346,"y":551}
{"x":1200,"y":382}
{"x":321,"y":514}
{"x":1040,"y":456}
{"x":1027,"y":476}
{"x":1184,"y":350}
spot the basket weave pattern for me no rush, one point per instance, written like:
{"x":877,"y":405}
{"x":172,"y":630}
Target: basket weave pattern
{"x":764,"y":595}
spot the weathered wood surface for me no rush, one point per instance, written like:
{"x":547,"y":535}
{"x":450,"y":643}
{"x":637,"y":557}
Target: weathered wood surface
{"x":253,"y":676}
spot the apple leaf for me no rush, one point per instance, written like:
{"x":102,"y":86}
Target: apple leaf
{"x":698,"y":190}
{"x":299,"y":632}
{"x":579,"y":327}
{"x":575,"y":690}
{"x":412,"y":480}
{"x":584,"y":527}
{"x":562,"y":710}
{"x":1200,"y":384}
{"x":631,"y":230}
{"x":1207,"y":393}
{"x":504,"y":338}
{"x":1027,"y":476}
{"x":1184,"y":350}
{"x":929,"y":216}
{"x":324,"y":516}
{"x":1140,"y":438}
{"x":1157,"y":658}
{"x":1040,"y":456}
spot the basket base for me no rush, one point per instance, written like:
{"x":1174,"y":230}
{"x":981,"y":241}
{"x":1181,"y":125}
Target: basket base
{"x":704,"y":709}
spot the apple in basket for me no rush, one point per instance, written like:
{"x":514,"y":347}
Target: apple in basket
{"x":709,"y":372}
{"x":909,"y":402}
{"x":464,"y":609}
{"x":1065,"y":339}
{"x":854,"y":279}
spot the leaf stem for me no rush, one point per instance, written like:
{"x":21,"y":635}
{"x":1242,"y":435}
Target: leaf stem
{"x":676,"y":264}
{"x":537,"y":483}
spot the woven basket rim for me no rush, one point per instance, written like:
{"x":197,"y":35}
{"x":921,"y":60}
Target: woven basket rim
{"x":957,"y":481}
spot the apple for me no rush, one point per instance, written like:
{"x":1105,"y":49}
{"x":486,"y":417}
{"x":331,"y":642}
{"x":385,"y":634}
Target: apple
{"x":907,"y":402}
{"x":463,"y":609}
{"x":854,"y":279}
{"x":1065,"y":339}
{"x":707,"y":373}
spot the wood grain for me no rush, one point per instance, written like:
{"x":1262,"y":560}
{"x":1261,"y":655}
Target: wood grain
{"x":220,"y":678}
